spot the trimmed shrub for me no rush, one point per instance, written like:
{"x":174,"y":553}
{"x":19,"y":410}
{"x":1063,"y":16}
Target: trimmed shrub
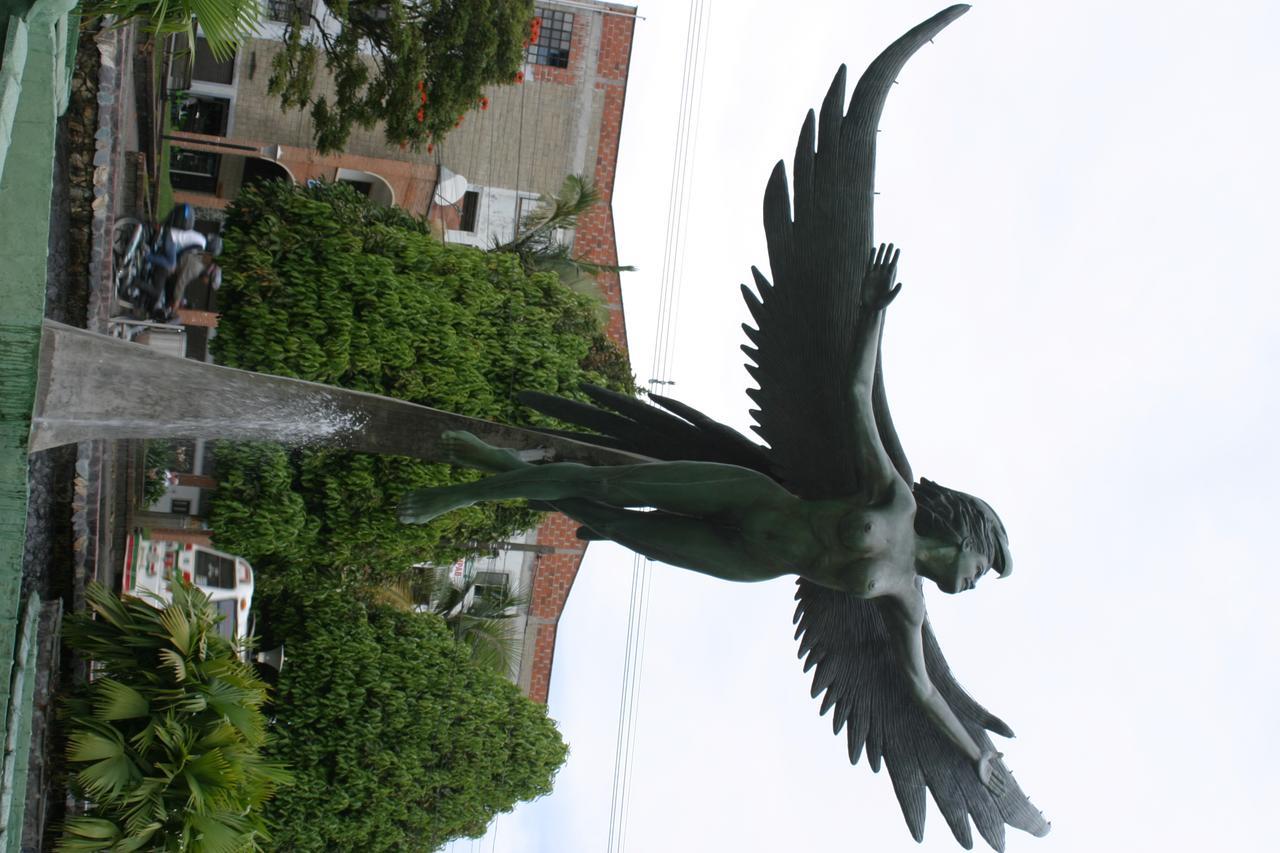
{"x":319,"y":284}
{"x":396,"y":739}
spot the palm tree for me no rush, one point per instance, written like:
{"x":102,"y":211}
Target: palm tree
{"x":226,"y":24}
{"x":537,"y":243}
{"x":480,"y":617}
{"x":166,"y":741}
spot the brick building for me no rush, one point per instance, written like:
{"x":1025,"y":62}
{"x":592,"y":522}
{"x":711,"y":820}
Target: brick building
{"x":563,"y":119}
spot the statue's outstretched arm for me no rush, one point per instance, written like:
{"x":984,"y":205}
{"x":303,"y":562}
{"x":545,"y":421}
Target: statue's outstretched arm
{"x":904,"y":617}
{"x":878,"y":290}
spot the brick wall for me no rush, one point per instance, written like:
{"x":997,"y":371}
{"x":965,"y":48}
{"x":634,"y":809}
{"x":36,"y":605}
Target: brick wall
{"x":595,"y":242}
{"x":257,"y":113}
{"x":411,"y":182}
{"x":595,"y":239}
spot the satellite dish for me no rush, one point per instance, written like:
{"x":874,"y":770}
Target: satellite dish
{"x":450,"y":188}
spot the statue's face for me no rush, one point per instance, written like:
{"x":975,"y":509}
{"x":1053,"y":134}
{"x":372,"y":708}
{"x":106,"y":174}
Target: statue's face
{"x":964,"y":571}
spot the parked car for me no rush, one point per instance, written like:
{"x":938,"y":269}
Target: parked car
{"x":150,"y":566}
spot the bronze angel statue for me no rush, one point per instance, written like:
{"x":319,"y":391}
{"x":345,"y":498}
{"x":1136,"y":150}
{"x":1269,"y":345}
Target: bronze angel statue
{"x":831,"y":497}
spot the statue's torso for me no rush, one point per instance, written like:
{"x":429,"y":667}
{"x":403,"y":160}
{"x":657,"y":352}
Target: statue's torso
{"x":848,"y":545}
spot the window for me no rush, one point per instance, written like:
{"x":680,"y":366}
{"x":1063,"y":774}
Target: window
{"x":283,"y":11}
{"x":491,"y":586}
{"x":470,"y":207}
{"x":524,"y":207}
{"x":258,"y":169}
{"x":213,"y":570}
{"x":362,"y":187}
{"x":184,"y":452}
{"x":196,"y":171}
{"x":362,"y":14}
{"x":209,"y":69}
{"x":226,"y":609}
{"x":205,"y":114}
{"x":554,"y":37}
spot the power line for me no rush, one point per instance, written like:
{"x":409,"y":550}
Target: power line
{"x":679,"y":196}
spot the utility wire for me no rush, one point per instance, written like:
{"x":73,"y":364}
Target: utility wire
{"x":673,"y":209}
{"x":679,"y":196}
{"x":618,"y":759}
{"x":686,"y":195}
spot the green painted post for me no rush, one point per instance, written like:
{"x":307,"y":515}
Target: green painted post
{"x":24,"y":246}
{"x":17,"y":743}
{"x":34,"y":77}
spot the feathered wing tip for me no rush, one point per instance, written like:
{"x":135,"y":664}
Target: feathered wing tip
{"x":818,"y":226}
{"x":840,"y":152}
{"x":844,"y":642}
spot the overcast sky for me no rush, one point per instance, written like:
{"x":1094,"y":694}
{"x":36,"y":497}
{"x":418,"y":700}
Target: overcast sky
{"x":1084,"y":194}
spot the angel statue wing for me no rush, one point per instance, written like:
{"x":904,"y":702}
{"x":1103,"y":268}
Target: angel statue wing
{"x":803,"y":350}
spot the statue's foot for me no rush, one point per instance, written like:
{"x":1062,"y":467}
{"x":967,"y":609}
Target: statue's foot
{"x":422,"y":505}
{"x":463,"y":448}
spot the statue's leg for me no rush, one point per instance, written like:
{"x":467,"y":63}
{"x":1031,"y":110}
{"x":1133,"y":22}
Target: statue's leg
{"x":699,"y":489}
{"x":463,"y":448}
{"x":677,"y":540}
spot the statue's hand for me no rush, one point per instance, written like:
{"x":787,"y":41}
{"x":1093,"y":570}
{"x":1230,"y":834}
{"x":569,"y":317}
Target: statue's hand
{"x":993,"y":773}
{"x":878,"y":288}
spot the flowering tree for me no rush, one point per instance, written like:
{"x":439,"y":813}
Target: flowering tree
{"x":416,"y":66}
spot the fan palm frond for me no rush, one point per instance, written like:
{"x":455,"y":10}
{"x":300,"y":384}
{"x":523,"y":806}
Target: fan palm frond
{"x":537,"y":243}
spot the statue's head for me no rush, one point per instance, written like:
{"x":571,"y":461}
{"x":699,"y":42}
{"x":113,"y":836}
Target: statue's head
{"x":970,"y":533}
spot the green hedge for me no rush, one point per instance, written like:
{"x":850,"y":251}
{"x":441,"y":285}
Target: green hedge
{"x":319,"y":284}
{"x":395,"y":739}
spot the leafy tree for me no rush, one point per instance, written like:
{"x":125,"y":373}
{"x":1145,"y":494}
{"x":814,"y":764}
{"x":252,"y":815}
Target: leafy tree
{"x":396,"y":739}
{"x":258,"y":511}
{"x":321,"y":285}
{"x":416,"y":65}
{"x":166,"y":741}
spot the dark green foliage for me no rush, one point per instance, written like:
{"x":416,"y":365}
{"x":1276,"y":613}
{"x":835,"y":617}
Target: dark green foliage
{"x":158,"y":457}
{"x":321,"y":285}
{"x":396,"y":739}
{"x":166,"y":741}
{"x":258,"y":511}
{"x":429,"y":64}
{"x":225,"y":24}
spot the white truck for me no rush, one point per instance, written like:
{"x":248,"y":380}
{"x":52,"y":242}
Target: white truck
{"x":150,"y":565}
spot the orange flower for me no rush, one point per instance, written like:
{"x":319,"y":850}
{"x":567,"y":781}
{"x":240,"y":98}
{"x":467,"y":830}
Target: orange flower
{"x":535,"y":28}
{"x":519,"y":76}
{"x":424,"y":97}
{"x":484,"y":103}
{"x":421,"y":115}
{"x":430,"y":148}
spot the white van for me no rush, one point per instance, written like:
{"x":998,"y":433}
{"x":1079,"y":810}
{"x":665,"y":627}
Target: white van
{"x":225,"y":578}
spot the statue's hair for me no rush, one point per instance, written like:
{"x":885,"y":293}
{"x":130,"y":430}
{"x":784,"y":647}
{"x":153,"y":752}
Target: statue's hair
{"x":952,"y":516}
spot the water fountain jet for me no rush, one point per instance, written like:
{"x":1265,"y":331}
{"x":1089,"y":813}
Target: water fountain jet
{"x":91,"y":386}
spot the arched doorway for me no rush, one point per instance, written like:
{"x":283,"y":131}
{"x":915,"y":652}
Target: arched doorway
{"x":370,"y":184}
